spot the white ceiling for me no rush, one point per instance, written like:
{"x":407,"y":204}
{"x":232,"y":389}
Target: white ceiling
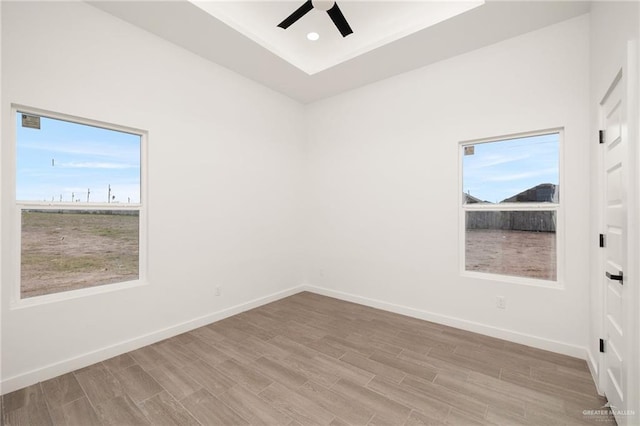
{"x":334,"y":64}
{"x":374,"y":23}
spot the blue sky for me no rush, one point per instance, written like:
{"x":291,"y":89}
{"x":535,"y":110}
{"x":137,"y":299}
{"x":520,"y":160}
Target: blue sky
{"x":67,"y":159}
{"x":499,"y":170}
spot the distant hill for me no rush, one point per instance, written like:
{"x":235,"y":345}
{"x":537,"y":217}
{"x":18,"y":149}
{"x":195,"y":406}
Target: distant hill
{"x":543,"y":193}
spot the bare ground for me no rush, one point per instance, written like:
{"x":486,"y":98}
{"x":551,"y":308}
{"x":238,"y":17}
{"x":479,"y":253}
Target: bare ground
{"x":69,"y":251}
{"x":62,"y":252}
{"x":514,"y":253}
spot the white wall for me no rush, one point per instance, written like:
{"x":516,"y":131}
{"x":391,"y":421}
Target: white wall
{"x":2,"y":121}
{"x":224,"y":166}
{"x":613,"y":24}
{"x":384,"y":185}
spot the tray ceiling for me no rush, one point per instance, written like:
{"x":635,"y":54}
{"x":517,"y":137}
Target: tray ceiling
{"x":375,"y":23}
{"x":390,"y":37}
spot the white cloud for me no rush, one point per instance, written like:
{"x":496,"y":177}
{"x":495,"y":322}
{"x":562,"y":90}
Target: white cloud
{"x":524,"y":175}
{"x":495,"y":160}
{"x":97,"y":165}
{"x":87,"y":148}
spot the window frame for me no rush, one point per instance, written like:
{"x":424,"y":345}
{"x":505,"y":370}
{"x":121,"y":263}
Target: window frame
{"x":558,"y":208}
{"x":16,"y":301}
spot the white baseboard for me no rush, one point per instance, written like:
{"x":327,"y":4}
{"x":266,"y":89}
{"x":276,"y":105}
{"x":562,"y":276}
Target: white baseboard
{"x":476,"y":327}
{"x":62,"y":367}
{"x":52,"y":370}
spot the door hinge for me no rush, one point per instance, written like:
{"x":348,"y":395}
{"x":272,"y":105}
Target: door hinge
{"x":602,"y":345}
{"x":601,"y":136}
{"x":602,"y":240}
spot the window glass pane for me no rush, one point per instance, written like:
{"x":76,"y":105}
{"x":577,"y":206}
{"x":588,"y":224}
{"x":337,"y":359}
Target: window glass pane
{"x":515,"y":243}
{"x":62,"y":161}
{"x":71,"y":249}
{"x":520,"y":170}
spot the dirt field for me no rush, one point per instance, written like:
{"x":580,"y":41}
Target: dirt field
{"x":68,"y":251}
{"x":515,"y":253}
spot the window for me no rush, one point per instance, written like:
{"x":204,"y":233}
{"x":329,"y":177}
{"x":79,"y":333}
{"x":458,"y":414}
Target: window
{"x":510,"y":206}
{"x":78,"y":194}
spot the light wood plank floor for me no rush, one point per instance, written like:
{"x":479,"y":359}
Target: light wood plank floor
{"x":314,"y":360}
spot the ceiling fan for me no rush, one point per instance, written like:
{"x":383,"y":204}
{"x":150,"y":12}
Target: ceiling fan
{"x":331,"y":7}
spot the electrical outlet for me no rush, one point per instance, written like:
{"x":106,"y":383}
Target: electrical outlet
{"x":218,"y":291}
{"x":501,"y":302}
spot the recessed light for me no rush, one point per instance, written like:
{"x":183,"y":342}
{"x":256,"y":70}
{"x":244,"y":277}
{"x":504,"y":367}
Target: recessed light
{"x":313,"y":36}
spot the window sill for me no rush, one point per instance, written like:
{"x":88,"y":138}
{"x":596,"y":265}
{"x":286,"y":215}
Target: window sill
{"x":533,"y":282}
{"x":75,"y":294}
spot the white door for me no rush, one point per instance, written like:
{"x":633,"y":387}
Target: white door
{"x":615,"y":162}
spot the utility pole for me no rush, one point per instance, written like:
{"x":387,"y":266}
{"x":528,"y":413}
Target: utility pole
{"x":73,"y":195}
{"x":109,"y":196}
{"x":88,"y":192}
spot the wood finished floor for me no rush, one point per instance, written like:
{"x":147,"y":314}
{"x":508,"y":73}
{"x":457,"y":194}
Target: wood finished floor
{"x":314,"y":360}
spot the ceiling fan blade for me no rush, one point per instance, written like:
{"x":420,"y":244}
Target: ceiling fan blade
{"x":339,"y":20}
{"x":299,"y":13}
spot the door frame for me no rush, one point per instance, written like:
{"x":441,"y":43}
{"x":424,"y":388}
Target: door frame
{"x":633,"y":315}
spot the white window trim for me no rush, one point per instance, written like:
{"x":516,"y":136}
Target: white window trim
{"x":558,"y":208}
{"x":16,"y":302}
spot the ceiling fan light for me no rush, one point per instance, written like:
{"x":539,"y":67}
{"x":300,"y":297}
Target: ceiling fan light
{"x":313,"y":36}
{"x":323,"y":4}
